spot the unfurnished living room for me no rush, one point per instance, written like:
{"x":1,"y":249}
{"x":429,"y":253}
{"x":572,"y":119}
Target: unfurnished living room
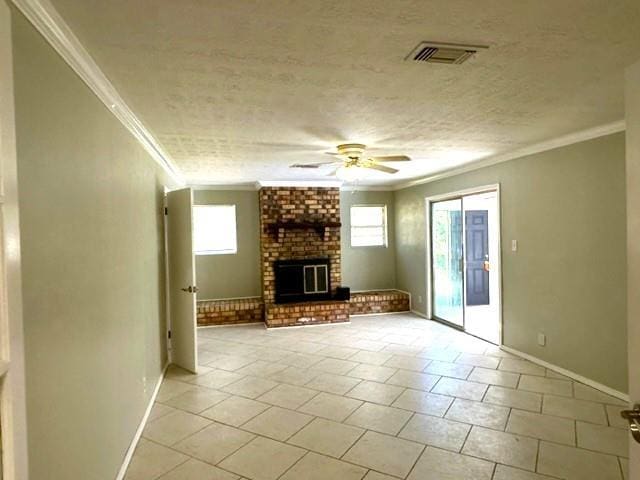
{"x":320,"y":240}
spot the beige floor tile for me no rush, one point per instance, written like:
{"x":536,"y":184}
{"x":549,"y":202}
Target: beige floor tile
{"x":439,"y":353}
{"x":197,"y":470}
{"x":494,"y":377}
{"x":319,"y":467}
{"x":603,"y":439}
{"x":500,"y":447}
{"x":520,"y":366}
{"x":378,"y":476}
{"x":294,"y":376}
{"x":478,"y":360}
{"x":448,"y":369}
{"x":371,"y":358}
{"x":213,"y":443}
{"x":415,"y":380}
{"x":584,"y":392}
{"x":613,"y":414}
{"x":159,"y":410}
{"x":261,"y":368}
{"x":460,"y":388}
{"x":277,"y":423}
{"x":231,"y":362}
{"x":372,"y":372}
{"x":172,"y":388}
{"x":217,"y":378}
{"x":559,"y":376}
{"x":514,"y":398}
{"x":436,"y":431}
{"x":532,"y":383}
{"x":197,"y":400}
{"x":250,"y":387}
{"x":376,"y":392}
{"x":334,"y":351}
{"x":288,"y":396}
{"x":235,"y":411}
{"x":509,"y":473}
{"x":385,"y":454}
{"x":576,"y":464}
{"x":176,"y":373}
{"x":337,"y":384}
{"x":301,"y":360}
{"x":478,"y":413}
{"x":327,"y":437}
{"x":407,"y":363}
{"x":152,"y":460}
{"x":329,"y":406}
{"x":173,"y":427}
{"x":576,"y":409}
{"x":544,"y":427}
{"x":423,"y":402}
{"x":263,"y":459}
{"x":436,"y":464}
{"x":379,"y":418}
{"x":335,"y":366}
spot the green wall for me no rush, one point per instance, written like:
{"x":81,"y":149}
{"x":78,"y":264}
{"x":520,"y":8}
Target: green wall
{"x":92,"y":267}
{"x":367,"y":268}
{"x":236,"y":275}
{"x":566,"y":208}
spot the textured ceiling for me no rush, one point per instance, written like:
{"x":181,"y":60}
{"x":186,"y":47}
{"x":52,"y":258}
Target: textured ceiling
{"x":237,"y":90}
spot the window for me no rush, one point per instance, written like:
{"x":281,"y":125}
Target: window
{"x":214,"y":229}
{"x":369,"y":226}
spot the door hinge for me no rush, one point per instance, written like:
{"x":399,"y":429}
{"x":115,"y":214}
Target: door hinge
{"x":169,"y":334}
{"x":166,"y":210}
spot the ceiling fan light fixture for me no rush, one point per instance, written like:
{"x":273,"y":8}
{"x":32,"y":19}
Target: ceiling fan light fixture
{"x":350,"y":173}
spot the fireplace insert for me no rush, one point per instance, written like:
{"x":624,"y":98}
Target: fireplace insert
{"x":302,"y":280}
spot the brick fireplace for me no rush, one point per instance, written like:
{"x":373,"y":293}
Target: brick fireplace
{"x":300,"y":223}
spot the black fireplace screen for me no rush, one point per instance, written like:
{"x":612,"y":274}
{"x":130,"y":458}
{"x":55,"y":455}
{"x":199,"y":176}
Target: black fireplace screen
{"x":302,"y":280}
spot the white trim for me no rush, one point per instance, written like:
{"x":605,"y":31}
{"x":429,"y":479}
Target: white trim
{"x":15,"y":464}
{"x":420,"y":314}
{"x":55,"y":30}
{"x":427,"y":247}
{"x":302,"y":183}
{"x":367,"y":188}
{"x":563,"y":141}
{"x":252,"y":187}
{"x":136,"y":438}
{"x":229,"y":325}
{"x":327,"y":324}
{"x":568,"y":373}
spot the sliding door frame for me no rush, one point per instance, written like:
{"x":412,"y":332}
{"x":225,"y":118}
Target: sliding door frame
{"x":428,"y":250}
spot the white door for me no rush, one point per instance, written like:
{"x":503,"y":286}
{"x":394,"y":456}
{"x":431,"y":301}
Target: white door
{"x":633,"y":249}
{"x":182,"y":279}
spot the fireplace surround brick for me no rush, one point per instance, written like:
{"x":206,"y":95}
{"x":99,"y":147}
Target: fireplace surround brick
{"x":300,"y":223}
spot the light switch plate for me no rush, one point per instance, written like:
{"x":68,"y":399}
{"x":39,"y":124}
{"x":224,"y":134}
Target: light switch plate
{"x":542,"y":339}
{"x":514,"y":245}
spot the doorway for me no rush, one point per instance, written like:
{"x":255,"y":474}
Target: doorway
{"x":464,"y":261}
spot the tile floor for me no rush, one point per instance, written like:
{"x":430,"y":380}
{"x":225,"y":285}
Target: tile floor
{"x":382,"y":398}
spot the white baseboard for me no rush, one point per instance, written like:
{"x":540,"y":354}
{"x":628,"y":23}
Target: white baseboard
{"x":136,"y":438}
{"x":328,"y":324}
{"x":568,"y":373}
{"x":420,"y":314}
{"x":203,"y":327}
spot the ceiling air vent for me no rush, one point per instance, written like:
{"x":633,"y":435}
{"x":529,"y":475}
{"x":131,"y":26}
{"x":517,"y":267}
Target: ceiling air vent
{"x":448,"y":53}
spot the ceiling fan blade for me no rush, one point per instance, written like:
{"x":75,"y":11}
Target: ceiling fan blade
{"x":311,"y":165}
{"x":391,"y":158}
{"x":382,"y":168}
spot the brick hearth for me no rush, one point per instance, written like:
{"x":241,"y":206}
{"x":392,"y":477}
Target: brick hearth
{"x":298,"y":223}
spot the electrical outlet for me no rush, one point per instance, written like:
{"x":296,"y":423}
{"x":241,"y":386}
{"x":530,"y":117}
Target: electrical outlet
{"x":514,"y":245}
{"x":542,"y":339}
{"x":419,"y":298}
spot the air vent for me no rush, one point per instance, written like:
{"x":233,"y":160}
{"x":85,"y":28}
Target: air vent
{"x":447,"y":53}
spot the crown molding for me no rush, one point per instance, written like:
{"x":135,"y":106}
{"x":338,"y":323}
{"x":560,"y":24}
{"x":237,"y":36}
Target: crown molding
{"x":367,"y":188}
{"x":563,"y":141}
{"x":225,"y":186}
{"x":55,"y":30}
{"x":293,"y":183}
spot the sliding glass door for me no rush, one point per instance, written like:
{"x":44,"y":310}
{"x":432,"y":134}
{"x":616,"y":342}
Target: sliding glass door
{"x":447,"y":261}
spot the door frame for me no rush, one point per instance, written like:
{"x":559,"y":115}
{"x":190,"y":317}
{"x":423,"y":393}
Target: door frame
{"x":12,"y":358}
{"x":428,"y":250}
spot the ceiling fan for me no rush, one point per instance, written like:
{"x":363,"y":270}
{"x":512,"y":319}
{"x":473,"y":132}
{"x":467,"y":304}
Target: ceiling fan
{"x":352,"y":159}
